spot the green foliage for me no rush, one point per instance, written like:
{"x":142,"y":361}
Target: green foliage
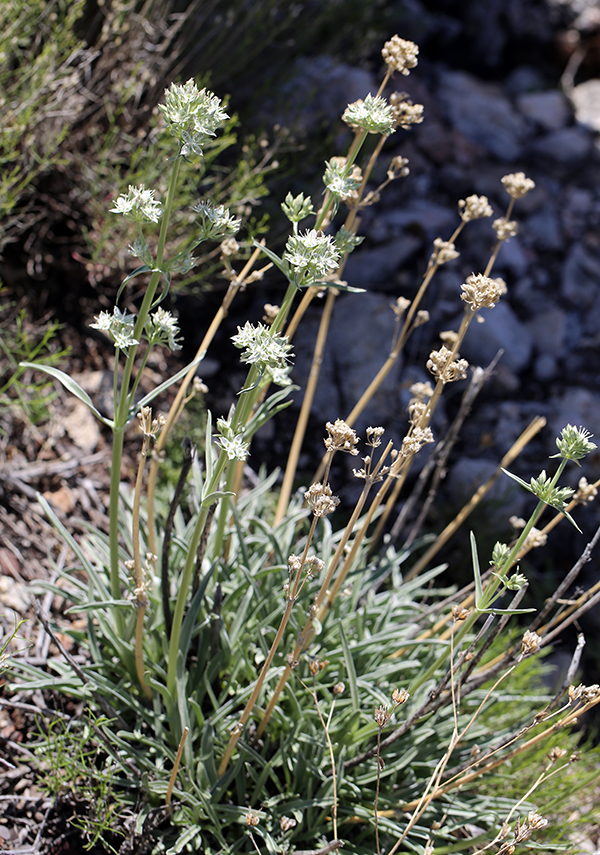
{"x":34,"y":343}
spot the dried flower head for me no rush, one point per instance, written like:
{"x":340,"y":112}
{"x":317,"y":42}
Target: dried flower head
{"x":443,"y":251}
{"x":416,"y":410}
{"x":320,"y":499}
{"x":314,"y":566}
{"x":517,"y":185}
{"x":373,"y":114}
{"x":286,"y":823}
{"x":270,"y":313}
{"x":311,"y":254}
{"x":504,"y":228}
{"x":150,"y":427}
{"x":585,"y":492}
{"x":338,"y":689}
{"x":374,"y":435}
{"x":530,"y":643}
{"x":422,"y":391}
{"x":400,"y":306}
{"x":198,"y":386}
{"x":138,"y":204}
{"x":398,"y":168}
{"x":400,"y":55}
{"x":584,"y":693}
{"x":193,"y":115}
{"x":556,"y":753}
{"x":404,"y":112}
{"x":415,"y":441}
{"x":229,"y":247}
{"x":381,"y":716}
{"x":252,"y":819}
{"x":445,"y":370}
{"x":341,"y":437}
{"x":474,"y":208}
{"x":481,"y":292}
{"x":459,"y":613}
{"x":400,"y":696}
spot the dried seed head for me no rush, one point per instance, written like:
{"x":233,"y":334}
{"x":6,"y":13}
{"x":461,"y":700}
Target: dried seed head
{"x":381,"y":716}
{"x":270,"y":313}
{"x":505,"y":229}
{"x":534,"y":539}
{"x":481,"y":292}
{"x":341,"y":437}
{"x":400,"y":306}
{"x":229,"y":247}
{"x":443,"y":251}
{"x":415,"y":441}
{"x":416,"y":410}
{"x":422,"y":391}
{"x":444,"y":370}
{"x":398,"y":168}
{"x":422,"y":317}
{"x":449,"y":337}
{"x":517,"y":185}
{"x":536,"y":820}
{"x":294,"y":564}
{"x":338,"y":689}
{"x":252,"y":819}
{"x":556,"y":753}
{"x":400,"y":696}
{"x":584,"y":693}
{"x":286,"y":823}
{"x":320,"y":500}
{"x":400,"y":55}
{"x":474,"y":208}
{"x":530,"y":643}
{"x":199,"y":386}
{"x":585,"y":492}
{"x":459,"y":613}
{"x":404,"y":112}
{"x":314,"y":566}
{"x":374,"y":435}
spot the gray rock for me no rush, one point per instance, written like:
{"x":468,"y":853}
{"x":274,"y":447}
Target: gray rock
{"x":304,"y":102}
{"x":545,"y":367}
{"x":366,"y":267}
{"x":581,"y":277}
{"x":544,"y":230}
{"x":524,"y":78}
{"x":581,"y":408}
{"x":433,"y":220}
{"x":504,"y":498}
{"x":358,"y":344}
{"x":548,"y":331}
{"x":501,"y":329}
{"x":568,"y":145}
{"x":586,"y":101}
{"x":512,"y":257}
{"x":483,"y":113}
{"x":548,"y":109}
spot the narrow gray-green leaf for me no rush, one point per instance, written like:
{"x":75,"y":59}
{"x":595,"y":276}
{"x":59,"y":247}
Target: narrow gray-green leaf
{"x":71,"y":386}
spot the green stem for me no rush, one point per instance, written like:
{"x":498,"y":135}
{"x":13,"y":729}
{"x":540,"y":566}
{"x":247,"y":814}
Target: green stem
{"x":122,"y":411}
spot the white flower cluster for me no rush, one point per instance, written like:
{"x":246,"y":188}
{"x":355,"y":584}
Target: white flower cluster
{"x":311,"y":254}
{"x":119,"y":326}
{"x":340,"y":178}
{"x":232,"y":444}
{"x":216,"y":222}
{"x":138,"y":204}
{"x":193,"y":115}
{"x":373,"y":114}
{"x":267,"y":350}
{"x":161,"y":328}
